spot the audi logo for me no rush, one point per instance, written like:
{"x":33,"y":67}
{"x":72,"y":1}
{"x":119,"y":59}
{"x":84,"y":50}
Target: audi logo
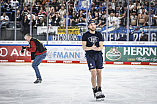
{"x":3,"y":52}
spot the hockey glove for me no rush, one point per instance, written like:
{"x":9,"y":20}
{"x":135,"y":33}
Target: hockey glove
{"x":23,"y":49}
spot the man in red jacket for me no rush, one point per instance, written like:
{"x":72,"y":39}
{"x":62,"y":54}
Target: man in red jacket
{"x":38,"y":53}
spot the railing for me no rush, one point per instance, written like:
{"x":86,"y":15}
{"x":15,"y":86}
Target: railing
{"x":111,"y":32}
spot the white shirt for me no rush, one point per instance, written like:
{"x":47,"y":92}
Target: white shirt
{"x":140,"y":11}
{"x":29,"y":16}
{"x":151,"y":20}
{"x":117,"y":22}
{"x":113,"y":6}
{"x":6,"y":18}
{"x":111,"y":19}
{"x":50,"y":20}
{"x":40,"y":16}
{"x":14,"y":3}
{"x":131,"y":6}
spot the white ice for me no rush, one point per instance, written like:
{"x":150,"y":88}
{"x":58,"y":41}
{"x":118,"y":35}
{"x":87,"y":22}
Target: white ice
{"x":70,"y":84}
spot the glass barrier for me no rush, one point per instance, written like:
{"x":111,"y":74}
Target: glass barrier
{"x":152,"y":22}
{"x":129,"y":20}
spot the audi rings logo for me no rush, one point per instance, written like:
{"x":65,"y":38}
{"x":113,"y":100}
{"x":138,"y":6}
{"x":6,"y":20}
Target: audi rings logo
{"x":3,"y":52}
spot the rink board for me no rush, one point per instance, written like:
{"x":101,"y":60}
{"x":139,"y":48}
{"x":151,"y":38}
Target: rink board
{"x":130,"y":53}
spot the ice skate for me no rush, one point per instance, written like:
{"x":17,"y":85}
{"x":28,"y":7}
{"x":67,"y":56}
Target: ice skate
{"x":94,"y":91}
{"x":100,"y":95}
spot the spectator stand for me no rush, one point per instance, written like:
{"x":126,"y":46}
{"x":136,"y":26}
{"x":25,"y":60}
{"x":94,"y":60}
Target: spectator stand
{"x":97,"y":6}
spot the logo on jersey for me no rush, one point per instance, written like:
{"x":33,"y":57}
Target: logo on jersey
{"x":91,"y":66}
{"x":93,"y":39}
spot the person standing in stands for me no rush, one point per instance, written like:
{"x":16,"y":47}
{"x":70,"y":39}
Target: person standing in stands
{"x":4,"y":19}
{"x":25,"y":25}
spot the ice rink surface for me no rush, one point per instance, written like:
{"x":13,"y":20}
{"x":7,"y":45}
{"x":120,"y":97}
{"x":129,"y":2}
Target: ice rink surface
{"x":70,"y":84}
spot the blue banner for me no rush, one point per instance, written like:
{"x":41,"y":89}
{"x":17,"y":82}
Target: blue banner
{"x":82,"y":4}
{"x":135,"y":34}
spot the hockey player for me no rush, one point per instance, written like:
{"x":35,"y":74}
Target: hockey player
{"x":92,"y":43}
{"x":38,"y":53}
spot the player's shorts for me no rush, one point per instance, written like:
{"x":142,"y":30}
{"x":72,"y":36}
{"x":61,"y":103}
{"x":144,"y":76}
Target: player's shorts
{"x":95,"y":61}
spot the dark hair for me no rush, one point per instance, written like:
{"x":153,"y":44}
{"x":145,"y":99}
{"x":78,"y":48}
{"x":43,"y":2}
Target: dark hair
{"x":91,"y":21}
{"x":152,"y":4}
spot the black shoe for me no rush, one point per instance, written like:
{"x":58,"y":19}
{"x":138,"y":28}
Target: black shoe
{"x":100,"y":92}
{"x":94,"y":91}
{"x":99,"y":89}
{"x":38,"y":81}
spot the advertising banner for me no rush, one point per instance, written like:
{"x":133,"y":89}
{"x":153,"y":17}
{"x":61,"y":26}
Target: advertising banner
{"x":74,"y":53}
{"x":131,"y":54}
{"x":13,"y":53}
{"x":141,"y":55}
{"x":43,"y":30}
{"x":71,"y":30}
{"x":64,"y":37}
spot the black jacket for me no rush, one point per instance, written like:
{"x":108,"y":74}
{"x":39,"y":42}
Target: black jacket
{"x":39,"y":47}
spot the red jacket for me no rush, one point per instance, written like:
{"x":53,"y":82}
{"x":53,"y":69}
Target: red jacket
{"x":33,"y":49}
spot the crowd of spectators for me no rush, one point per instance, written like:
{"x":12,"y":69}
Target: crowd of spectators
{"x":117,"y":13}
